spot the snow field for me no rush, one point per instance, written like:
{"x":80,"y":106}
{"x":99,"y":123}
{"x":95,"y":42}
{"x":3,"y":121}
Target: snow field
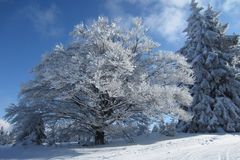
{"x":154,"y":147}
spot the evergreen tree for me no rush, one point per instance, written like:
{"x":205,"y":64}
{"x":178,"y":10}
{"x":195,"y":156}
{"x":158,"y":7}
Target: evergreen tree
{"x":216,"y":91}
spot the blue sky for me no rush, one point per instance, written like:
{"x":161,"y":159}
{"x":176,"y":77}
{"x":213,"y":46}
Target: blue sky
{"x":28,"y":29}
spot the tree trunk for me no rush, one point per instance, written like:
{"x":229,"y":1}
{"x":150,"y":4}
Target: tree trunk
{"x":99,"y":137}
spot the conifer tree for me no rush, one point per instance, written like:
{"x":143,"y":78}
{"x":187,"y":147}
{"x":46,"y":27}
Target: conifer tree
{"x":216,"y":91}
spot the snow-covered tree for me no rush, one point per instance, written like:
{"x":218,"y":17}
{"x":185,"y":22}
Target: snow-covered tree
{"x":103,"y":77}
{"x":28,"y":124}
{"x":3,"y":136}
{"x":173,"y":74}
{"x":215,"y":91}
{"x":236,"y":60}
{"x":5,"y":133}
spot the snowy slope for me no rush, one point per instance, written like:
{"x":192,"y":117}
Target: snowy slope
{"x":182,"y":147}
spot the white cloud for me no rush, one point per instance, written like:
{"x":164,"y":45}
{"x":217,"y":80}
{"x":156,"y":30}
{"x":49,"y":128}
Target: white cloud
{"x":6,"y":126}
{"x":114,"y":7}
{"x":169,"y":23}
{"x":167,"y":18}
{"x":230,"y":5}
{"x":231,"y":11}
{"x":175,"y":3}
{"x":44,"y":20}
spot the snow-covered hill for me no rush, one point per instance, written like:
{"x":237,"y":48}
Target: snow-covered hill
{"x":181,"y":147}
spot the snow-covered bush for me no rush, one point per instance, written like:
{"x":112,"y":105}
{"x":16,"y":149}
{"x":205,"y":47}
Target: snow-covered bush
{"x":28,"y":124}
{"x":170,"y":129}
{"x":6,"y":137}
{"x":33,"y":130}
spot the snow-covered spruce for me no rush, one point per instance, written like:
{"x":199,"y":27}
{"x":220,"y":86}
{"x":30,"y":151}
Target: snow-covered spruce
{"x":216,"y":90}
{"x":103,"y":77}
{"x":236,"y":60}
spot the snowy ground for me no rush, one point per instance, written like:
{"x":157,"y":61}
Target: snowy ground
{"x":181,"y":147}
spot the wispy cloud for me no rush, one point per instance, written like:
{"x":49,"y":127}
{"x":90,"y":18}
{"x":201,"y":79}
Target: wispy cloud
{"x":45,"y":20}
{"x":231,"y":5}
{"x":168,"y":23}
{"x":167,"y":18}
{"x":230,"y":10}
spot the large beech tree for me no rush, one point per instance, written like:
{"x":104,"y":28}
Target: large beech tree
{"x":107,"y":74}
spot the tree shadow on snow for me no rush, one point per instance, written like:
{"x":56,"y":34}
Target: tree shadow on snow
{"x":156,"y":137}
{"x":71,"y":151}
{"x":37,"y":152}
